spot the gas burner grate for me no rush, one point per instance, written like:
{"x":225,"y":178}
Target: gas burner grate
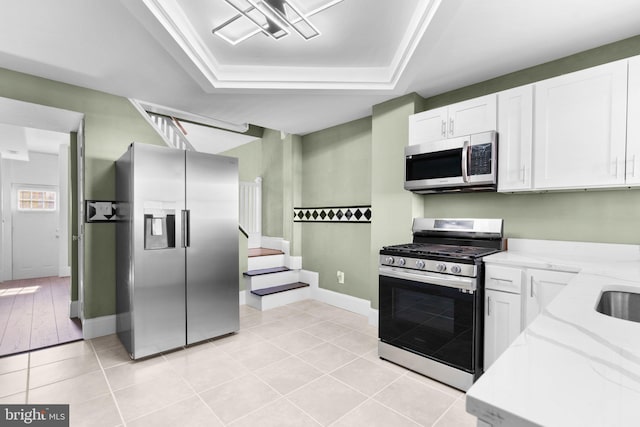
{"x":430,"y":249}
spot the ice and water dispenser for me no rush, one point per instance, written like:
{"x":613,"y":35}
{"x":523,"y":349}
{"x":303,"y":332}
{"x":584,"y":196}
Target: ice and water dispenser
{"x":159,"y":228}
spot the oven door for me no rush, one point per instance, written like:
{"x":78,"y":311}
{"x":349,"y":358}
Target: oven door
{"x":435,"y":316}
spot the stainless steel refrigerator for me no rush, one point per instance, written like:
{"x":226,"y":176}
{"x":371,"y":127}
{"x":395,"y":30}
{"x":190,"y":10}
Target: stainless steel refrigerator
{"x":177,"y":248}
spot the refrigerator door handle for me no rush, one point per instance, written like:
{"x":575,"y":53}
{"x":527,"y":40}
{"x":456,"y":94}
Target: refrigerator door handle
{"x":186,"y":228}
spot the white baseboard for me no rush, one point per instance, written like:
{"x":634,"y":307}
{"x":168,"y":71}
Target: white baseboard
{"x":99,"y":326}
{"x":73,"y":309}
{"x":337,"y":299}
{"x":373,"y":317}
{"x":346,"y":302}
{"x":64,"y":271}
{"x":243,"y":297}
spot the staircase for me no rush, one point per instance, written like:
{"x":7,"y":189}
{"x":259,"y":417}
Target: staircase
{"x":171,"y":131}
{"x":274,"y":278}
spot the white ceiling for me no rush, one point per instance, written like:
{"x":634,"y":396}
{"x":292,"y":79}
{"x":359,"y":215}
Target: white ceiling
{"x":210,"y":140}
{"x":370,"y":51}
{"x":26,"y":127}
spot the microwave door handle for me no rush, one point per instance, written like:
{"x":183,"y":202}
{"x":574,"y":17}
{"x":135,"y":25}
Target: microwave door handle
{"x":465,"y":161}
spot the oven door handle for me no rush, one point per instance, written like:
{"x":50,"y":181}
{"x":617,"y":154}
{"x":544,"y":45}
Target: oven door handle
{"x":462,"y":283}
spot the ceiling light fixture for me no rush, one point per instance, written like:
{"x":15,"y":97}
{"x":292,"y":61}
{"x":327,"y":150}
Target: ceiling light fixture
{"x":274,"y":18}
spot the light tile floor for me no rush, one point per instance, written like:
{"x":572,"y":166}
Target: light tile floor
{"x":305,"y":364}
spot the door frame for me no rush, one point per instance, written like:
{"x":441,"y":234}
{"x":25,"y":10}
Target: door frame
{"x":79,"y":231}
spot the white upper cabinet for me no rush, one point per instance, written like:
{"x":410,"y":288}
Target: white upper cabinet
{"x":633,"y":123}
{"x":464,"y":118}
{"x":515,"y":138}
{"x":580,"y":128}
{"x":472,"y":116}
{"x":428,"y":126}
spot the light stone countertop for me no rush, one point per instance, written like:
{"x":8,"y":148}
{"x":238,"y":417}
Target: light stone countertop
{"x":572,"y":366}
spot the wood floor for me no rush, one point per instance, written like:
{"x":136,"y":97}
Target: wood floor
{"x":34,"y":313}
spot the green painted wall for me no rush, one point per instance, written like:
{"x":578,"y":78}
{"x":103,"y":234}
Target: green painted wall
{"x":249,"y":168}
{"x":249,"y":160}
{"x":319,"y":169}
{"x":593,"y":216}
{"x":336,"y":171}
{"x":272,"y":183}
{"x":600,"y":216}
{"x":589,"y":58}
{"x":597,"y":216}
{"x":393,"y":207}
{"x":292,"y":190}
{"x":111,"y":124}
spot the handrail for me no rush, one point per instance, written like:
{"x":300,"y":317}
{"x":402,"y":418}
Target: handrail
{"x":172,"y":130}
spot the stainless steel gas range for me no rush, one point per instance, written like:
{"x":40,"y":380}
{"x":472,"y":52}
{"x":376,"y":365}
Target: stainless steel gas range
{"x":431,"y":298}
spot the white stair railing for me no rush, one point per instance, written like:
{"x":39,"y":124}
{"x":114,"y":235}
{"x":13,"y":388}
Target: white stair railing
{"x":251,"y":210}
{"x":172,"y":134}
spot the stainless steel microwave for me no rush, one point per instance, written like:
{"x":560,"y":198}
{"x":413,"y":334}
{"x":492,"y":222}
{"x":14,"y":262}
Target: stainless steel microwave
{"x":467,"y":163}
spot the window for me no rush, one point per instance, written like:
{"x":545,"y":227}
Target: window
{"x":36,"y":200}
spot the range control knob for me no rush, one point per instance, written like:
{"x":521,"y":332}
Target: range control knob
{"x":441,"y":267}
{"x":389,"y":260}
{"x":420,"y":264}
{"x":456,"y":269}
{"x":401,"y":261}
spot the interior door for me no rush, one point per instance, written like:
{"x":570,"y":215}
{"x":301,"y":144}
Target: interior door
{"x":35,"y":234}
{"x":212,"y":252}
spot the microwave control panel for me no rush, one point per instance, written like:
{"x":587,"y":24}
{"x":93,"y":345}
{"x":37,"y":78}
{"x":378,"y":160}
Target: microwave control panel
{"x":480,"y":159}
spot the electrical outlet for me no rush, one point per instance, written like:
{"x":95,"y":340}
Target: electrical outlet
{"x":340,"y":275}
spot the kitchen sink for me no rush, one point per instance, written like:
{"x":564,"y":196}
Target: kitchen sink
{"x":620,"y":304}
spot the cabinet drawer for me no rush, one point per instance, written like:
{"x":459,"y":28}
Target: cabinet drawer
{"x":504,"y":279}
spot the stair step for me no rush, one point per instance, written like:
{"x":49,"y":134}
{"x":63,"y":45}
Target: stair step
{"x":254,"y":252}
{"x":280,"y":288}
{"x":262,"y":271}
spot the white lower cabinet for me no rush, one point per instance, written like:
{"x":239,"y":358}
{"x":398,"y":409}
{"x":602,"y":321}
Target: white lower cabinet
{"x":542,"y":286}
{"x":502,"y":310}
{"x":514,"y":296}
{"x":502,"y":316}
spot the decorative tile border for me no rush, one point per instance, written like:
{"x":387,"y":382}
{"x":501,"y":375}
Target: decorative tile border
{"x":351,"y":214}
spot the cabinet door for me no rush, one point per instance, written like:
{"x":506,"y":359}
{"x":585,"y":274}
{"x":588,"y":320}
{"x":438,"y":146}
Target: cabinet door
{"x":633,"y":123}
{"x":502,"y":318}
{"x":472,"y":116}
{"x":580,"y":128}
{"x":515,"y":138}
{"x":542,"y":286}
{"x":428,"y":126}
